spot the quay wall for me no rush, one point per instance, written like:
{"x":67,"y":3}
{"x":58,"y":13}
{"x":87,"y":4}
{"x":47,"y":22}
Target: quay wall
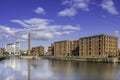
{"x":112,"y":59}
{"x":2,"y":58}
{"x":26,"y":57}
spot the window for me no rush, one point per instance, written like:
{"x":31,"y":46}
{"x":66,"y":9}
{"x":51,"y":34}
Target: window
{"x":81,"y":42}
{"x":89,"y":53}
{"x":99,"y":37}
{"x":99,"y":53}
{"x":81,"y":53}
{"x":89,"y":48}
{"x":82,"y":46}
{"x":99,"y":48}
{"x":89,"y":41}
{"x":99,"y":45}
{"x":89,"y":45}
{"x":99,"y":41}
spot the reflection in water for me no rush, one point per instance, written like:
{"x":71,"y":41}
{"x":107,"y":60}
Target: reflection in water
{"x":32,"y":69}
{"x":34,"y":63}
{"x":99,"y":71}
{"x":12,"y":63}
{"x":73,"y":70}
{"x":28,"y":69}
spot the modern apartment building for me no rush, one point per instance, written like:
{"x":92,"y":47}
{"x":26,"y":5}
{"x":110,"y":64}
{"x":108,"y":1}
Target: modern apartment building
{"x":39,"y":50}
{"x":13,"y":48}
{"x":98,"y":46}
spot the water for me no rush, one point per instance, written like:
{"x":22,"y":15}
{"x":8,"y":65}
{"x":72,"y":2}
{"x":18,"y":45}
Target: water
{"x":23,"y":69}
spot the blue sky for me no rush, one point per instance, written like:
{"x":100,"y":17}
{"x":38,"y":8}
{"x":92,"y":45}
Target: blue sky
{"x":54,"y":20}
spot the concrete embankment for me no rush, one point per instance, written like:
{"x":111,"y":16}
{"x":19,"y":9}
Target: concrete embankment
{"x":2,"y":58}
{"x":29,"y":57}
{"x":25,"y":57}
{"x":112,"y":59}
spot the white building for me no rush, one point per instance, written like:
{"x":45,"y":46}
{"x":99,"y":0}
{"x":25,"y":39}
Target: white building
{"x":13,"y":48}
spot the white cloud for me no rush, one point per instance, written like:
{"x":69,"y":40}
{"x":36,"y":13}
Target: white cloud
{"x":42,"y":35}
{"x":40,"y":29}
{"x":67,"y":12}
{"x":24,"y":36}
{"x":109,"y":6}
{"x":81,"y":4}
{"x":71,"y":28}
{"x":74,"y":5}
{"x":39,"y":10}
{"x":7,"y":30}
{"x":116,"y":32}
{"x":19,"y":22}
{"x":33,"y":22}
{"x":62,"y":33}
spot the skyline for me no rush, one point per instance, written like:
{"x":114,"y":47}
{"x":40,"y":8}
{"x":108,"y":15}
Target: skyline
{"x":50,"y":21}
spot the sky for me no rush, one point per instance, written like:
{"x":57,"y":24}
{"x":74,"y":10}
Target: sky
{"x":49,"y":21}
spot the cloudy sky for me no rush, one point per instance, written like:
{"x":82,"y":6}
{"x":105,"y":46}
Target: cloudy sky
{"x":54,"y":20}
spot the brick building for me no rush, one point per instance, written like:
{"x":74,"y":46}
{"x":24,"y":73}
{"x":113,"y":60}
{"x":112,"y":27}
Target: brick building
{"x":51,"y":50}
{"x":119,"y":51}
{"x":75,"y":48}
{"x":64,"y":48}
{"x":39,"y":50}
{"x":98,"y":46}
{"x":2,"y":50}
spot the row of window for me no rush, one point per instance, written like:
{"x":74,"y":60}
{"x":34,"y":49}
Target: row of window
{"x":82,"y":53}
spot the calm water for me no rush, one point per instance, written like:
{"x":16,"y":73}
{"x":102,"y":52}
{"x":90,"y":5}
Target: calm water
{"x":23,"y":69}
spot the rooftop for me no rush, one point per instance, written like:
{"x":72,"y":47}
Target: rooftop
{"x":99,"y":35}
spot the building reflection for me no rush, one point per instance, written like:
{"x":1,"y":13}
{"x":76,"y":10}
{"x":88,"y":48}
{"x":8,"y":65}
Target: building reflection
{"x":34,"y":63}
{"x":102,"y":71}
{"x":13,"y":63}
{"x":86,"y":70}
{"x":65,"y":68}
{"x":24,"y":66}
{"x":33,"y":69}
